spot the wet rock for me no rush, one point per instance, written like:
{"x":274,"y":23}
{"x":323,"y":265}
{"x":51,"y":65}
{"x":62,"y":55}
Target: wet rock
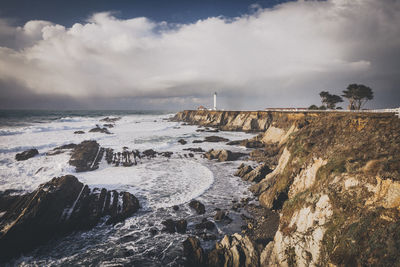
{"x":182,"y":142}
{"x":79,"y":132}
{"x":205,"y":224}
{"x":215,"y":139}
{"x":108,"y":125}
{"x":235,"y":143}
{"x":27,"y":154}
{"x":98,"y":129}
{"x":169,"y":226}
{"x":60,"y":149}
{"x":172,"y":226}
{"x":197,"y":206}
{"x":257,"y":174}
{"x":86,"y":156}
{"x":199,"y":149}
{"x":56,"y":208}
{"x":193,"y":252}
{"x":166,"y":154}
{"x":191,"y":155}
{"x":197,"y":141}
{"x":175,"y":207}
{"x":150,"y":153}
{"x":111,"y":119}
{"x":181,"y":226}
{"x":222,"y":155}
{"x":243,"y":170}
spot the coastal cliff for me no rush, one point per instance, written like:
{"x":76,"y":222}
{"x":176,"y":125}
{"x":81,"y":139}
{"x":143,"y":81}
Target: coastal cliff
{"x":335,"y":183}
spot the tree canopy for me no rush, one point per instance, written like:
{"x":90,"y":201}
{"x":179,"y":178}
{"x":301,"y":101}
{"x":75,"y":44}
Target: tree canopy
{"x":330,"y":100}
{"x":358,"y":95}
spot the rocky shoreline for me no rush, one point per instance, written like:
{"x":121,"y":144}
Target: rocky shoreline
{"x":334,"y":180}
{"x":318,"y":180}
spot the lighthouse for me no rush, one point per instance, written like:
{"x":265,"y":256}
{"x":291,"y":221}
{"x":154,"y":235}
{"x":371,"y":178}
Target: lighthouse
{"x":215,"y":101}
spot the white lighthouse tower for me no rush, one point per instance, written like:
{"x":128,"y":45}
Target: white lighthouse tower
{"x":215,"y":101}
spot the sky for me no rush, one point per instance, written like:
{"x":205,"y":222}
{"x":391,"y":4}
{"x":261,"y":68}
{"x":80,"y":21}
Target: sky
{"x":173,"y":55}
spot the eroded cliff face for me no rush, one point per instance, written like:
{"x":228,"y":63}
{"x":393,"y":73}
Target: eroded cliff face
{"x":336,"y":185}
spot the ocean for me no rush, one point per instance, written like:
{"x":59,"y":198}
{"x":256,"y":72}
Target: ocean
{"x":158,"y":183}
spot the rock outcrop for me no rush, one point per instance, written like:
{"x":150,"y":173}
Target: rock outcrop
{"x":56,"y":208}
{"x":27,"y":154}
{"x":86,"y":156}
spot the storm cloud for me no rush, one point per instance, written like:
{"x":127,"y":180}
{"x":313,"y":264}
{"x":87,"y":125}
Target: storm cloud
{"x":281,"y":56}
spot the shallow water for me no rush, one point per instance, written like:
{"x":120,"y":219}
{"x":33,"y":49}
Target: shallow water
{"x":159,"y":183}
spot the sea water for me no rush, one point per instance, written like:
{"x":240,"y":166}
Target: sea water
{"x":158,"y":183}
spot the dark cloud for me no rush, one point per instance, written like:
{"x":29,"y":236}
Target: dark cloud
{"x":279,"y":57}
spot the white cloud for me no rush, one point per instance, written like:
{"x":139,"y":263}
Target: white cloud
{"x":281,"y":53}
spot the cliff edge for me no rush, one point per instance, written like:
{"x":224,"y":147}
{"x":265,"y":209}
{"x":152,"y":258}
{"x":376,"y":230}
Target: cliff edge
{"x":335,"y":183}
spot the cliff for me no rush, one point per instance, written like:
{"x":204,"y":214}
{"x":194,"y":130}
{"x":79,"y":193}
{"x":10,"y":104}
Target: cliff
{"x":335,"y":183}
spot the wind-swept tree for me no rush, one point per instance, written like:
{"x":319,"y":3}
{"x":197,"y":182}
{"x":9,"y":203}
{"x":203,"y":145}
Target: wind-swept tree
{"x":358,"y":95}
{"x":330,"y":100}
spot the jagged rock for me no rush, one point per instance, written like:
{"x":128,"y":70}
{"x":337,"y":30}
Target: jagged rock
{"x":172,"y":226}
{"x":243,"y":170}
{"x":257,"y":174}
{"x":197,"y":206}
{"x":86,"y":156}
{"x":193,"y":252}
{"x":234,"y":250}
{"x":215,"y":139}
{"x":182,"y":141}
{"x":150,"y":153}
{"x":27,"y":154}
{"x":79,"y":132}
{"x":60,"y":149}
{"x":56,"y":208}
{"x":199,"y":149}
{"x":223,"y":155}
{"x":99,"y":130}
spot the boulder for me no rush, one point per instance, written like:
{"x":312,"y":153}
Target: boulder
{"x":182,"y":141}
{"x":193,"y":252}
{"x":86,"y":156}
{"x":220,"y":215}
{"x":197,"y":206}
{"x":27,"y":154}
{"x":56,"y":208}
